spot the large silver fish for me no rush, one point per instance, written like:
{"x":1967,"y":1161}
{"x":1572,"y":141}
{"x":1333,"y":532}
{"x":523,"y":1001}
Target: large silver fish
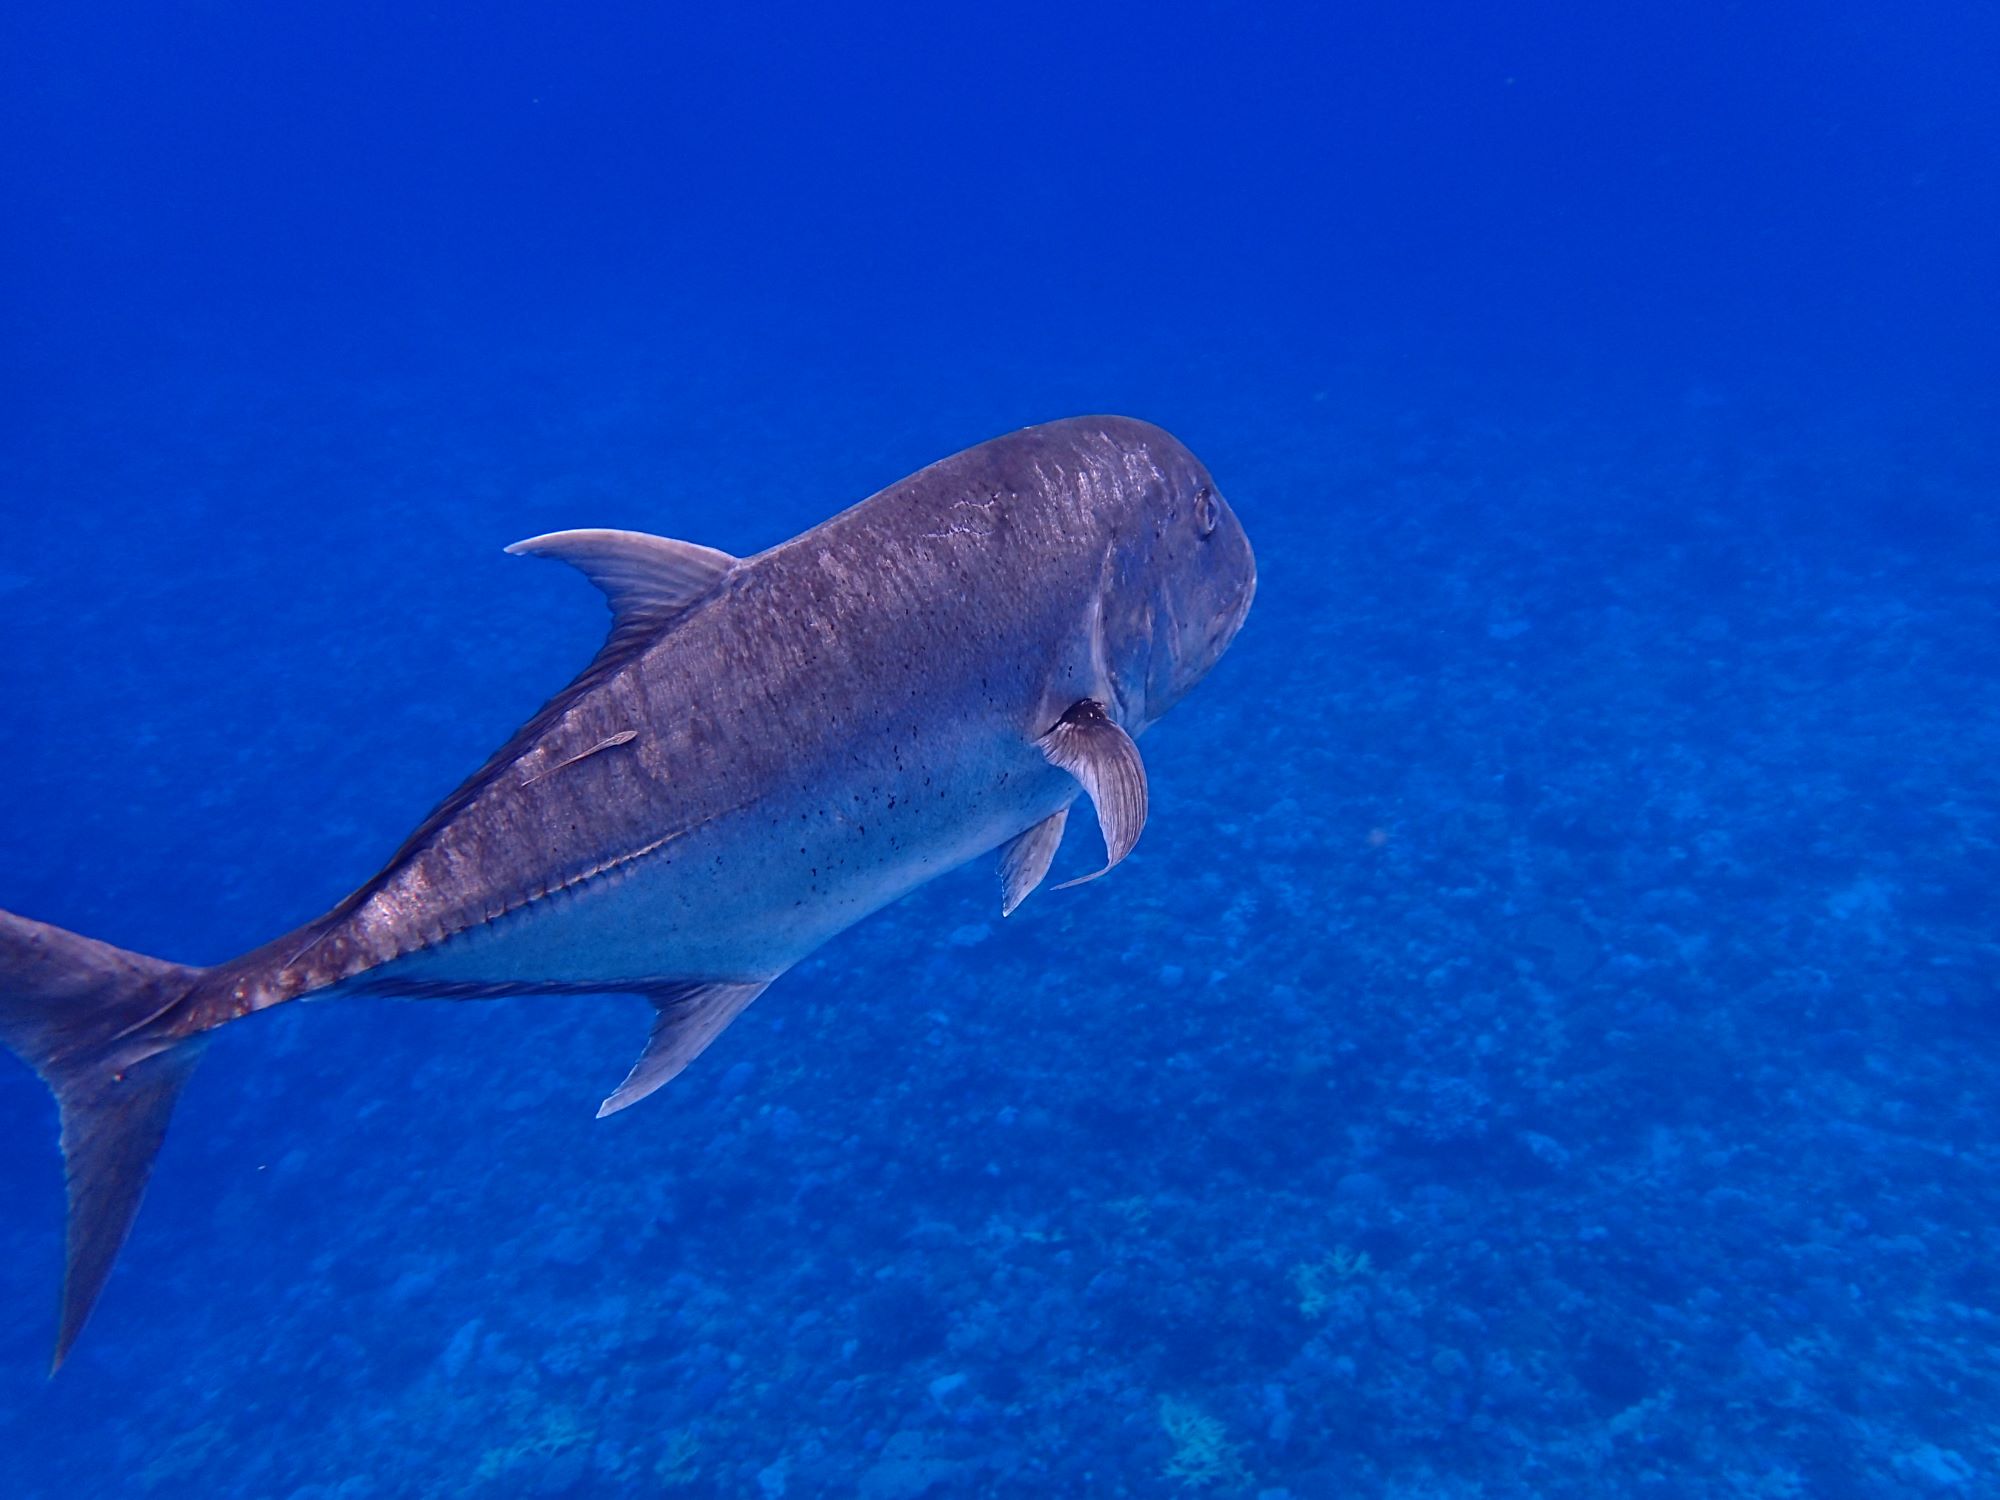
{"x":766,"y":750}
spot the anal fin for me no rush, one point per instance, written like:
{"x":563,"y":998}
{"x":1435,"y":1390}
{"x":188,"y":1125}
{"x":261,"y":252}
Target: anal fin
{"x":692,"y":1015}
{"x":1025,"y":858}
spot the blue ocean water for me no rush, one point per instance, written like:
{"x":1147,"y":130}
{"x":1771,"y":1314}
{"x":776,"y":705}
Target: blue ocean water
{"x":1546,"y":1043}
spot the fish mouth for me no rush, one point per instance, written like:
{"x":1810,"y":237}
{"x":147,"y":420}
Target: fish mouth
{"x":1243,"y":604}
{"x":1230,"y":619}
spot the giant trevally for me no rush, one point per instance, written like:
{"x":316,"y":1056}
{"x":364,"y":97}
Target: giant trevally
{"x":766,"y":750}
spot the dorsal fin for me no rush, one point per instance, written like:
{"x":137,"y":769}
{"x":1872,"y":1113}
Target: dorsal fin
{"x":646,"y":579}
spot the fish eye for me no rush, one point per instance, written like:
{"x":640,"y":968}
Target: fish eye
{"x":1206,"y":512}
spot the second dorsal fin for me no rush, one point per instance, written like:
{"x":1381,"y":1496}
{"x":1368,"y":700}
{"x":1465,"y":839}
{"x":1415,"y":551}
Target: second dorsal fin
{"x":646,"y":579}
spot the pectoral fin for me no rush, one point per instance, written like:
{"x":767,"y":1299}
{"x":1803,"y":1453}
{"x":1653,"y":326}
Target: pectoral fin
{"x":1024,"y":860}
{"x":691,"y":1016}
{"x":1099,"y":754}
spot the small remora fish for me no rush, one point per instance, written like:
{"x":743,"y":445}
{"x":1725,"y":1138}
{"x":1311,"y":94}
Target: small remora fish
{"x":766,"y":750}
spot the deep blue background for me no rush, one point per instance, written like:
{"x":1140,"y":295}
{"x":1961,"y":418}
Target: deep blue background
{"x":1669,"y":188}
{"x":1574,"y":892}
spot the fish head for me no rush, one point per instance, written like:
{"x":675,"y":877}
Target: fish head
{"x":1206,"y":578}
{"x":1181,"y":588}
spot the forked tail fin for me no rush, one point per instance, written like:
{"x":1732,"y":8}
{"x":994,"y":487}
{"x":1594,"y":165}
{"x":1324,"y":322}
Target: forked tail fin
{"x":91,"y":1019}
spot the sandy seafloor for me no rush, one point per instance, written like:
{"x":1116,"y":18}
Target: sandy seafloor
{"x":1545,"y":1044}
